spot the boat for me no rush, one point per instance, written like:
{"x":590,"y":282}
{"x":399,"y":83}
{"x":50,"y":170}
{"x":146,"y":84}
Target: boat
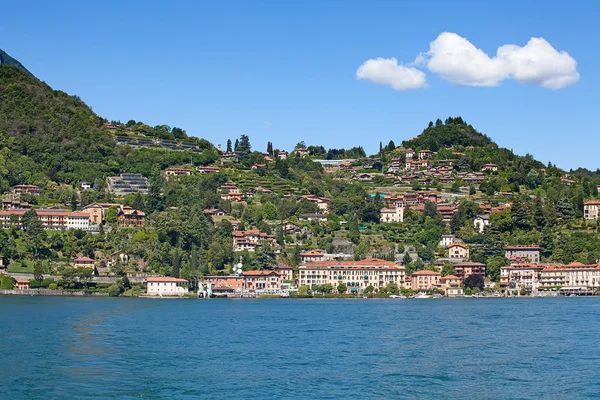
{"x":423,"y":296}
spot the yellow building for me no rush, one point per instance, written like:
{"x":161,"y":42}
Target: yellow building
{"x":356,"y":275}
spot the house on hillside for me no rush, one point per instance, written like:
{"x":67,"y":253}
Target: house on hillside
{"x":458,"y":251}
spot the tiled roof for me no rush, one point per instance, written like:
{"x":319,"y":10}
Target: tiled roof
{"x":165,"y":279}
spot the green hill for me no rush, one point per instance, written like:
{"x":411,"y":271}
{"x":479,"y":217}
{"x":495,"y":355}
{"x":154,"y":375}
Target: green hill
{"x":453,"y":132}
{"x":48,"y":135}
{"x":5,"y":59}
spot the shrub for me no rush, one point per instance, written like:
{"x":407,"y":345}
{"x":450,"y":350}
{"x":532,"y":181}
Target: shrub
{"x":7,"y":282}
{"x":52,"y":286}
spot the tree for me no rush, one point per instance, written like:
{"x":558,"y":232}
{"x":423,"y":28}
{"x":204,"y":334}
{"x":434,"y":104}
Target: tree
{"x":269,"y":211}
{"x":138,"y":202}
{"x":369,"y":289}
{"x":354,"y":233}
{"x":229,"y":149}
{"x":447,"y":269}
{"x":237,"y":143}
{"x":438,"y":122}
{"x":474,"y":281}
{"x":38,"y":271}
{"x":406,"y":259}
{"x":111,"y":214}
{"x":430,"y":210}
{"x":342,"y":288}
{"x":493,"y":265}
{"x":73,"y":202}
{"x":33,"y":228}
{"x":243,"y":148}
{"x":455,"y":188}
{"x":472,"y":190}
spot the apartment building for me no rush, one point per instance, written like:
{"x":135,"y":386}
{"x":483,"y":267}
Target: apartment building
{"x":51,"y":219}
{"x":465,"y":269}
{"x":425,"y":280}
{"x":356,"y":275}
{"x":591,"y":209}
{"x":458,"y":251}
{"x":250,"y":239}
{"x":452,"y":285}
{"x":529,"y":253}
{"x":571,"y":277}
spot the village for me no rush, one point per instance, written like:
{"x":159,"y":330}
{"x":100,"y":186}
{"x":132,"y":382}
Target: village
{"x":396,"y":186}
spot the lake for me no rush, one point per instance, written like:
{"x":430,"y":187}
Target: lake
{"x":109,"y":348}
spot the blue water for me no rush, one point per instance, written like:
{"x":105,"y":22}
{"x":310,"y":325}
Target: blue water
{"x":67,"y":348}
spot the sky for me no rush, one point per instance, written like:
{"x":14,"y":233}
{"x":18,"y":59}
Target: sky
{"x":331,"y":73}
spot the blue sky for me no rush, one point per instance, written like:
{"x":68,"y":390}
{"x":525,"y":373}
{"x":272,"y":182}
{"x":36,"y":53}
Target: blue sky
{"x":287,"y":71}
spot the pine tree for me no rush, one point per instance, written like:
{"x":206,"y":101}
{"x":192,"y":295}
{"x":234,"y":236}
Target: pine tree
{"x":237,"y":143}
{"x":539,"y":219}
{"x":243,"y":148}
{"x":229,"y":150}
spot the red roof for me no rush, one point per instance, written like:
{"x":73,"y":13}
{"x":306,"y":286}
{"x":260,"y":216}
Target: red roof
{"x":457,"y":245}
{"x":592,"y":202}
{"x":426,"y":272}
{"x":164,"y":279}
{"x":259,"y":273}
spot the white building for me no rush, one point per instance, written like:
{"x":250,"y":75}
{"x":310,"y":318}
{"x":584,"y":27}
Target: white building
{"x":447,"y":240}
{"x":390,"y":215}
{"x":165,"y":286}
{"x":480,"y":222}
{"x":591,"y":209}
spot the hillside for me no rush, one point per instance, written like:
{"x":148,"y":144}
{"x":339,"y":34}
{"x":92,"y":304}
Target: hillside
{"x":453,"y":132}
{"x":5,"y":59}
{"x":48,"y":135}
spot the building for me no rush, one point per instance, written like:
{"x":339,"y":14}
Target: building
{"x":526,"y":276}
{"x":206,"y":170}
{"x":311,"y":256}
{"x":178,"y":172}
{"x":250,"y":239}
{"x":313,"y":217}
{"x":22,"y":284}
{"x":465,"y":269}
{"x":392,"y":215}
{"x":530,"y":253}
{"x":446,"y":241}
{"x":8,"y":204}
{"x":452,"y":286}
{"x":215,"y":212}
{"x":283,"y":155}
{"x":165,"y":286}
{"x":356,"y":275}
{"x":130,"y":218}
{"x":27,"y":189}
{"x":571,"y":278}
{"x":225,"y":284}
{"x":480,"y":222}
{"x":321,"y":202}
{"x":458,"y":251}
{"x":301,"y":151}
{"x":125,"y":184}
{"x":51,"y":219}
{"x":425,"y":280}
{"x":2,"y":266}
{"x":97,"y":211}
{"x":286,"y":272}
{"x":230,"y":191}
{"x":261,"y":281}
{"x":489,"y":168}
{"x":591,"y":209}
{"x":424,"y":154}
{"x":83,"y":262}
{"x":417,"y":164}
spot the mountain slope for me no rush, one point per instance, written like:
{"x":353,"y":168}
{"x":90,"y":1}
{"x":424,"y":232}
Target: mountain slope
{"x":454,"y":132}
{"x":5,"y":59}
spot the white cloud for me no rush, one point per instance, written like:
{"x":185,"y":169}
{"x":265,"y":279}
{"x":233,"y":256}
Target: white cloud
{"x":457,"y":60}
{"x":386,"y":71}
